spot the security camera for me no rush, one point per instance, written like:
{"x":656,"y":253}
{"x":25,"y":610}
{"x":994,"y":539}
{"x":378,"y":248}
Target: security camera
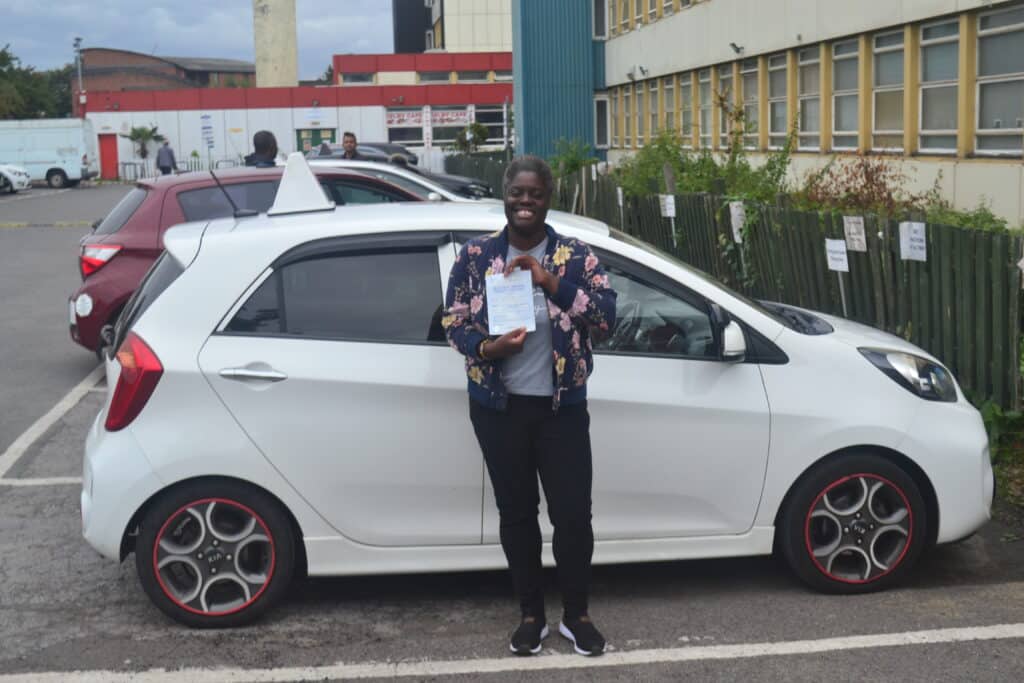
{"x":738,"y":49}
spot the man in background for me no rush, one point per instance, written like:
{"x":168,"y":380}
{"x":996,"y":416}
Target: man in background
{"x":264,"y":150}
{"x":351,"y":145}
{"x":165,"y":159}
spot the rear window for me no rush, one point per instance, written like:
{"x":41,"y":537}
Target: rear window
{"x":116,"y":219}
{"x":161,"y":274}
{"x":210,"y":202}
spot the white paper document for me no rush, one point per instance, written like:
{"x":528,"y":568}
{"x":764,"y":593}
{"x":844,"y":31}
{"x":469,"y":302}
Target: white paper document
{"x":510,"y":302}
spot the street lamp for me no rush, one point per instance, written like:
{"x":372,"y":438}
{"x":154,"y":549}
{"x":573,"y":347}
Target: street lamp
{"x":78,"y":62}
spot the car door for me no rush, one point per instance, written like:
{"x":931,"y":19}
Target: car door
{"x":336,"y":366}
{"x":679,"y":438}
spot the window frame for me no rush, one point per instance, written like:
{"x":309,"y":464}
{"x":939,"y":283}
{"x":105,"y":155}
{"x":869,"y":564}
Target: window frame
{"x":922,"y":132}
{"x":980,"y":81}
{"x":782,"y":64}
{"x":639,"y":92}
{"x":704,"y":136}
{"x":751,"y":136}
{"x":614,"y":97}
{"x":668,"y":7}
{"x":624,"y":15}
{"x":853,"y":56}
{"x":724,"y":122}
{"x":638,"y":13}
{"x":686,"y":107}
{"x":603,"y":97}
{"x":801,"y":62}
{"x":652,"y":10}
{"x":604,"y":6}
{"x":628,"y":140}
{"x":668,"y":97}
{"x":876,"y":89}
{"x":654,"y":107}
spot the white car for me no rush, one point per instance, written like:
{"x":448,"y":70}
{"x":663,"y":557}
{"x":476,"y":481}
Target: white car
{"x":283,"y":400}
{"x":14,"y":178}
{"x":408,"y":180}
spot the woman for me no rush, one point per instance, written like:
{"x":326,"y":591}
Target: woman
{"x":528,"y":397}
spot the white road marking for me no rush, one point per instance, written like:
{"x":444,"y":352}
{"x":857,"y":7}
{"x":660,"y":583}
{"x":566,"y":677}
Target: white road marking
{"x":38,"y":194}
{"x":540,"y":663}
{"x":39,"y":427}
{"x":42,"y":481}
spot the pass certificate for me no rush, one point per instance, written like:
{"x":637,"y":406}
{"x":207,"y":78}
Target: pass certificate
{"x":510,"y":302}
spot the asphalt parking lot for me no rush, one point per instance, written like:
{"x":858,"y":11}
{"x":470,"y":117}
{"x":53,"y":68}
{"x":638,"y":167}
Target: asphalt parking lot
{"x":68,"y":615}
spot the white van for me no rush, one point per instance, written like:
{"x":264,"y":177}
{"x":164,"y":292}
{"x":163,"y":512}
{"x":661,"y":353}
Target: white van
{"x":60,"y":151}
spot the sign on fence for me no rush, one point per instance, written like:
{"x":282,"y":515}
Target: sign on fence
{"x":206,"y":128}
{"x":593,"y":172}
{"x":738,"y":213}
{"x":835,"y":252}
{"x":856,"y":240}
{"x":668,"y":205}
{"x":618,"y":194}
{"x":913,"y":246}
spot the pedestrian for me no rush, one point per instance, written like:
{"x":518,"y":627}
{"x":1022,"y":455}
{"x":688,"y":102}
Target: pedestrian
{"x":264,"y":150}
{"x":165,"y":159}
{"x":351,"y":146}
{"x":528,"y":396}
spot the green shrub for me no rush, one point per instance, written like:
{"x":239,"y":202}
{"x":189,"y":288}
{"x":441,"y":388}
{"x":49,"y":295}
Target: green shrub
{"x":570,"y":156}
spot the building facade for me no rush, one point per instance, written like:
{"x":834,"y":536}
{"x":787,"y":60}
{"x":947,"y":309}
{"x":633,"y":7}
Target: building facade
{"x":276,"y":43}
{"x":937,"y":83}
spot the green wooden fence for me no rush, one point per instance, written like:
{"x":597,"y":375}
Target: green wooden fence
{"x":963,"y":304}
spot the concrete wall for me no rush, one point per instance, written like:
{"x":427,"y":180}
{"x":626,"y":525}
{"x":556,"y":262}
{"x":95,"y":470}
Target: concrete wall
{"x":277,"y":55}
{"x":478,"y":25}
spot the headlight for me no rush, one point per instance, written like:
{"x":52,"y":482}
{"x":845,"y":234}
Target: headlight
{"x":917,"y":375}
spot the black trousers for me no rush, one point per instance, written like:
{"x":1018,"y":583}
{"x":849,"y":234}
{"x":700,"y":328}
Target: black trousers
{"x":525,"y":440}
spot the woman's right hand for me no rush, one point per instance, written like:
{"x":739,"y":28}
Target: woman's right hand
{"x":508,"y":344}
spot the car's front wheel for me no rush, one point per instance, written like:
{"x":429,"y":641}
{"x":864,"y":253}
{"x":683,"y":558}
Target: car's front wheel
{"x":215,"y":553}
{"x":855,"y":524}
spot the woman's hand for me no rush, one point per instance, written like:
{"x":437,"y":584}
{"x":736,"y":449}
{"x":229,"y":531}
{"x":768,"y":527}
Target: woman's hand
{"x":541,"y":278}
{"x":508,"y":344}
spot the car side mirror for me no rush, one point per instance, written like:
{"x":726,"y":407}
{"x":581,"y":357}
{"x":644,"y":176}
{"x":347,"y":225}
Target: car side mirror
{"x":434,"y":197}
{"x":732,"y":344}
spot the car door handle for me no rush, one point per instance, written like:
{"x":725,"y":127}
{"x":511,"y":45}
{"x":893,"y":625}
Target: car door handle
{"x":249,"y":373}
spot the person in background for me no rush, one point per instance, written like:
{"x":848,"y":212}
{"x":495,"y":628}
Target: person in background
{"x":264,"y":150}
{"x":351,"y":145}
{"x":165,"y":159}
{"x":528,"y":397}
{"x":325,"y":149}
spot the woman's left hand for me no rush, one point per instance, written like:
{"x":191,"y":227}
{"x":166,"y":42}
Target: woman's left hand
{"x":541,"y":278}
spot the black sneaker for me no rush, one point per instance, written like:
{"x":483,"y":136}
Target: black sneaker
{"x":585,"y":637}
{"x":526,"y":639}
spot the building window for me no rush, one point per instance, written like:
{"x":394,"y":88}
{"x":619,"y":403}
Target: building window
{"x":639,"y":114}
{"x":652,"y":10}
{"x":751,"y":99}
{"x":1001,"y":82}
{"x":492,"y":116}
{"x":639,"y":6}
{"x":624,"y":15}
{"x":600,"y":19}
{"x":686,"y":103}
{"x":615,"y":118}
{"x":725,"y":104}
{"x":845,"y":83}
{"x":778,"y":118}
{"x":473,"y":77}
{"x":668,"y":93}
{"x":704,"y":93}
{"x":601,"y":126}
{"x":940,"y":47}
{"x":652,"y":100}
{"x":613,"y":17}
{"x":447,"y":122}
{"x":809,"y":95}
{"x":888,"y":119}
{"x":668,"y":8}
{"x":627,"y":117}
{"x":357,"y":79}
{"x":434,"y":76}
{"x":503,"y":76}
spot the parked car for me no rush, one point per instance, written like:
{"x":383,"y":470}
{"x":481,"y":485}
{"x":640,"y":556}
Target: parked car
{"x":428,"y":186}
{"x":115,"y":256}
{"x":14,"y":178}
{"x":282,"y":400}
{"x":60,"y":151}
{"x":370,"y":151}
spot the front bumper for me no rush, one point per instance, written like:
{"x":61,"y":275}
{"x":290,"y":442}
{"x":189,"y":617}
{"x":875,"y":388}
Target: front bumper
{"x":116,"y":480}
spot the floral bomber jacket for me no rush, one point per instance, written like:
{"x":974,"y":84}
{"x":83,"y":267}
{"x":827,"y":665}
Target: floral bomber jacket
{"x":584,"y":303}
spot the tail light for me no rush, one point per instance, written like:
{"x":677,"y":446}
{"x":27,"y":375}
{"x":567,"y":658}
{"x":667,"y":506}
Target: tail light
{"x":140,"y":371}
{"x":95,"y":256}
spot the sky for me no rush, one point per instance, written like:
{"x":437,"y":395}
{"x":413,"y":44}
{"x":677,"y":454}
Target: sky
{"x":41,"y":34}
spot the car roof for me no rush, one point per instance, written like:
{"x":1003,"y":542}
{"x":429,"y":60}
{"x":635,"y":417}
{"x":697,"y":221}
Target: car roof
{"x":238,"y":173}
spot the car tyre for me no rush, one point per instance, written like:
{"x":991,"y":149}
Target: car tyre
{"x":57,"y":179}
{"x":854,"y":524}
{"x":215,"y":553}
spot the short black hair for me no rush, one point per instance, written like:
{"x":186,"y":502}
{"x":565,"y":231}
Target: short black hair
{"x":528,"y":164}
{"x":264,"y":142}
{"x":349,"y":134}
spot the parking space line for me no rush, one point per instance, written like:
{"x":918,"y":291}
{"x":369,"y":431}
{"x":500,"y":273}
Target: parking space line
{"x":540,"y":663}
{"x":39,"y":427}
{"x":35,"y":195}
{"x":42,"y":481}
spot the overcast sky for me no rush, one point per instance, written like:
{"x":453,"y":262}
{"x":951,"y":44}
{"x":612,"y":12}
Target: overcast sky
{"x":41,"y":33}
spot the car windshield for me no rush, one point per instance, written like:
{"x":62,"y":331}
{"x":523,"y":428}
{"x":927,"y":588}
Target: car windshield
{"x":697,"y":272}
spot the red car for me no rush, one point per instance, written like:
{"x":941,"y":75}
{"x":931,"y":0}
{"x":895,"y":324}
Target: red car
{"x":119,"y":251}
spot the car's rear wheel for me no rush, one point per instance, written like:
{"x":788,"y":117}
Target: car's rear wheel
{"x":855,"y":524}
{"x":215,"y":553}
{"x":57,"y":179}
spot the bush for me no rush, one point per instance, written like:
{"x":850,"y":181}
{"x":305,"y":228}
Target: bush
{"x":862,"y":184}
{"x":570,"y":156}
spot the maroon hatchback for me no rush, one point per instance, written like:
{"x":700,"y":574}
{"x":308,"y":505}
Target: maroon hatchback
{"x":119,"y":251}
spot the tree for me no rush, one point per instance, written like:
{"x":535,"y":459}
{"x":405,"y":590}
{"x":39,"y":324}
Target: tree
{"x":142,"y":137}
{"x":471,"y":137}
{"x":328,"y":76}
{"x":29,"y":94}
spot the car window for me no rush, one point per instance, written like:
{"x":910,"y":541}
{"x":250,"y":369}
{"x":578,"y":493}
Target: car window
{"x":649,"y":320}
{"x":401,"y":181}
{"x":210,"y":202}
{"x":352,"y":192}
{"x":381,"y":296}
{"x":124,"y":210}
